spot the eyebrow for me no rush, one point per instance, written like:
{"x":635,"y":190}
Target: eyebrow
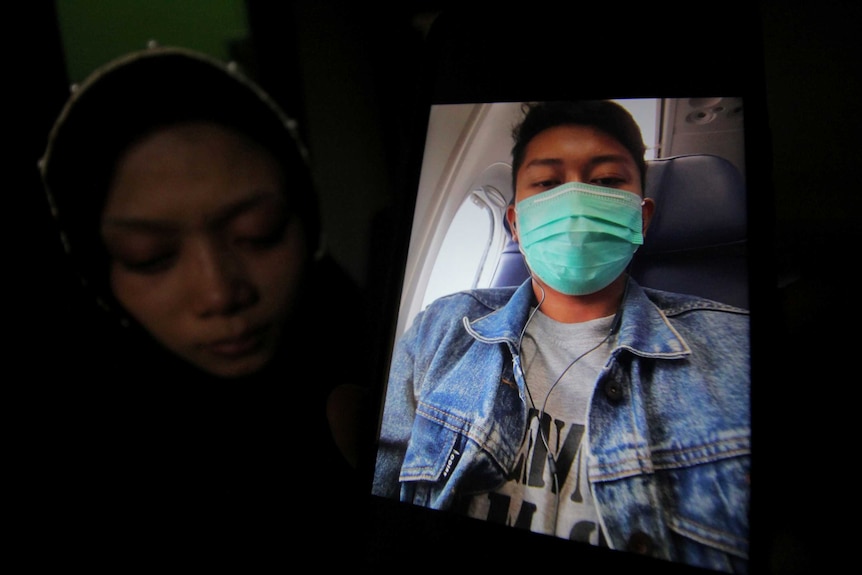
{"x":594,"y":161}
{"x":149,"y":225}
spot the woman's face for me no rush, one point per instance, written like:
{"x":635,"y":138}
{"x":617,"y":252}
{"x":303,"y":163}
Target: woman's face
{"x":205,"y":253}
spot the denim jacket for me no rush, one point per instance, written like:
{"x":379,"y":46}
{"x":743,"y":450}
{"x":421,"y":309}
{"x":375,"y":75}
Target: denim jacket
{"x":668,"y":423}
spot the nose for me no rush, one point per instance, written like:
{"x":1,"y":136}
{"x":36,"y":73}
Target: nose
{"x":219,"y":281}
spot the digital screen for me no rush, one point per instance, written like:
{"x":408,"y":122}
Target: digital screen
{"x":465,"y":450}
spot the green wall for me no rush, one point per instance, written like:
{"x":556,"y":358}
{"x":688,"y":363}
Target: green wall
{"x":95,"y":31}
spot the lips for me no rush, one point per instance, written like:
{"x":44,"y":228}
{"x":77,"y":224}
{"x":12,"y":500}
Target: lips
{"x":246,"y":343}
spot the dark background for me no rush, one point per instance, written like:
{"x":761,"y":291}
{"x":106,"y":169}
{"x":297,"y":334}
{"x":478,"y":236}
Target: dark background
{"x":349,"y":72}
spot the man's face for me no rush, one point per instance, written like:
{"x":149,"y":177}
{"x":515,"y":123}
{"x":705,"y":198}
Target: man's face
{"x":573,"y":153}
{"x":205,"y":253}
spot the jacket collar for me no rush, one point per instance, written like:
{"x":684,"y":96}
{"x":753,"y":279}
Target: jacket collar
{"x":505,"y":323}
{"x":644,"y":328}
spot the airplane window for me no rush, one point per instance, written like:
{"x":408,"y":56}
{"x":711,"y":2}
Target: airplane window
{"x":476,"y":232}
{"x":646,"y":113}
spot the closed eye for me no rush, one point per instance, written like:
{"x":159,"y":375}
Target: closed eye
{"x":610,"y":182}
{"x":260,"y":230}
{"x":546,"y":184}
{"x":149,"y":266}
{"x":261,"y":241}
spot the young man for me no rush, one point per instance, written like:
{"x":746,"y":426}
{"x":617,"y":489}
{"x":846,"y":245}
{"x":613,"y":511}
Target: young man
{"x":579,"y":404}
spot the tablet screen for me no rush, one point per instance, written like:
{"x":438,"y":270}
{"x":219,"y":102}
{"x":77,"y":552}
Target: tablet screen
{"x":456,"y":458}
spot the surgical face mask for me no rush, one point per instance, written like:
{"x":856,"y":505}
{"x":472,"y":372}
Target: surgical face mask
{"x":577,"y":238}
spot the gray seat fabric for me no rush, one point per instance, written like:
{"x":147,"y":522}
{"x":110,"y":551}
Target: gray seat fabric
{"x":697,"y":240}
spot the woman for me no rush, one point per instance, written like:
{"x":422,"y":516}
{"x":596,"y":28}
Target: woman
{"x":210,"y":404}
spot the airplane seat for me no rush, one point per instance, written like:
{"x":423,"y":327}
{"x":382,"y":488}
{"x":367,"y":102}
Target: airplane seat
{"x":696,"y":242}
{"x":511,"y":270}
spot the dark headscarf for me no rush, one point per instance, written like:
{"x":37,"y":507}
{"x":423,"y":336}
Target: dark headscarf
{"x":128,"y":98}
{"x":153,"y":451}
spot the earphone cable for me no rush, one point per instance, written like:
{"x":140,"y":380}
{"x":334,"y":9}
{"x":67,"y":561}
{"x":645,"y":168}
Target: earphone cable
{"x":552,"y":463}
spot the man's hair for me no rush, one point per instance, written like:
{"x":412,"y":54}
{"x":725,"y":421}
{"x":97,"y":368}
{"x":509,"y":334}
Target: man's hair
{"x":604,"y":115}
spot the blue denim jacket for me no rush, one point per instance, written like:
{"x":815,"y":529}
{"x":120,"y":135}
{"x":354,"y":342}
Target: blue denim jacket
{"x":668,"y":423}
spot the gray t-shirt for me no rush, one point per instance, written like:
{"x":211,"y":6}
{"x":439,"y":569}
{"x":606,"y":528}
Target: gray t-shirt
{"x":529,"y":498}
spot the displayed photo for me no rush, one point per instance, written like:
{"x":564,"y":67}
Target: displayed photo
{"x":572,"y":349}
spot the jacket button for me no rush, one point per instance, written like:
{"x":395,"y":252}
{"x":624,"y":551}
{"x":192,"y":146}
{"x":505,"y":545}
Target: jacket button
{"x":613,"y":390}
{"x":640,"y":543}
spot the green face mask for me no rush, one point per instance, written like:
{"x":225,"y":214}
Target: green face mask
{"x":578,"y":238}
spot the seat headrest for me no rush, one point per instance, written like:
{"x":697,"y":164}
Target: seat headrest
{"x":697,"y":240}
{"x":700,"y":203}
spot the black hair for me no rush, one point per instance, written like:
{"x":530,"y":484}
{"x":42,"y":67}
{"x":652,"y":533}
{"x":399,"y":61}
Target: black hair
{"x":604,"y":115}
